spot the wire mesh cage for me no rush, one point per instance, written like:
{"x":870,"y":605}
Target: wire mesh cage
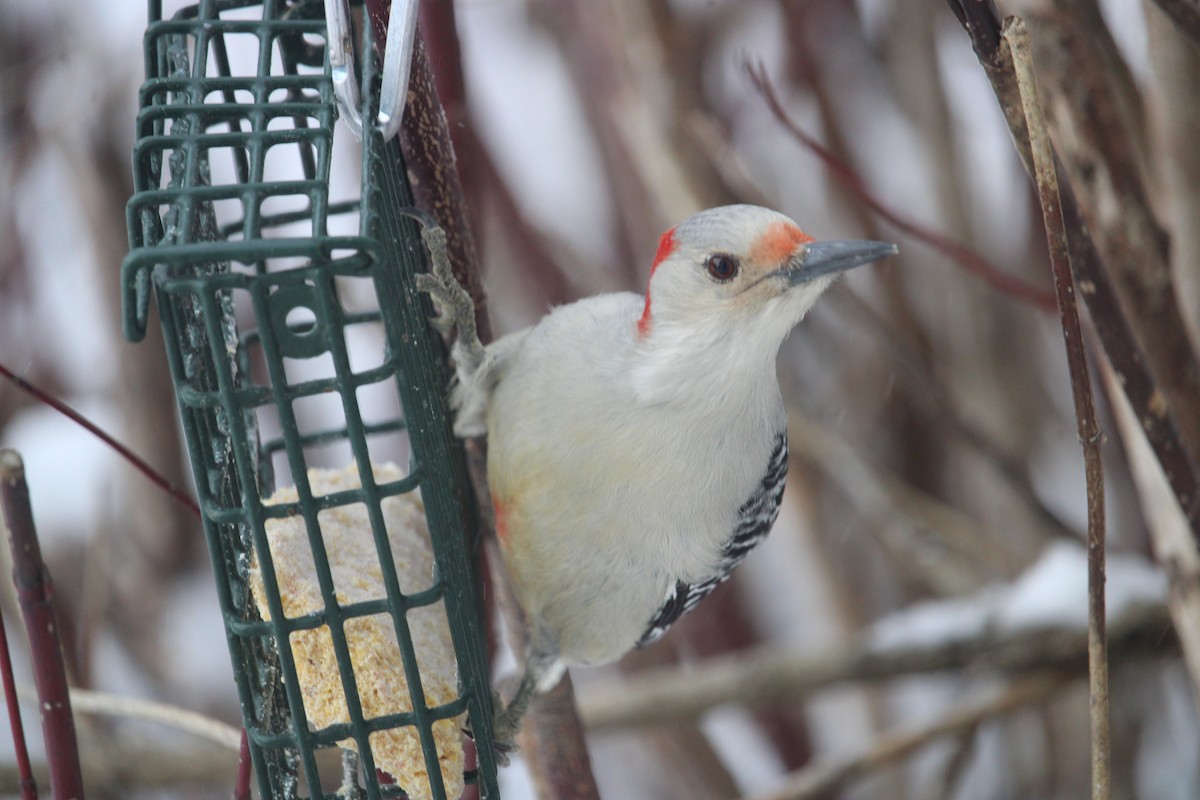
{"x":297,"y":341}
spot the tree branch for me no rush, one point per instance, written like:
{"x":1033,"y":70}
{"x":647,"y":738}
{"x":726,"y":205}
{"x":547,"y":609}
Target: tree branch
{"x":85,"y":701}
{"x":772,"y":676}
{"x":26,"y":782}
{"x":1156,"y":414}
{"x":36,"y":593}
{"x":154,"y":476}
{"x":1017,"y":39}
{"x":1099,"y":154}
{"x":830,"y":775}
{"x":559,"y":757}
{"x":120,"y":768}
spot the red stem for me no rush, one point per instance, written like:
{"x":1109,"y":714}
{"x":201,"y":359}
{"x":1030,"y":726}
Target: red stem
{"x":241,"y":790}
{"x":133,"y":458}
{"x":241,"y":786}
{"x":24,"y":770}
{"x":36,"y":595}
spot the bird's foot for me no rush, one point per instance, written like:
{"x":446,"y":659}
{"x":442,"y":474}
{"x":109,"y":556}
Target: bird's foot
{"x":455,"y":308}
{"x":506,"y":724}
{"x":505,"y":727}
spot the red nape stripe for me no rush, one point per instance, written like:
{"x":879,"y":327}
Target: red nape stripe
{"x":643,"y":326}
{"x":666,"y":246}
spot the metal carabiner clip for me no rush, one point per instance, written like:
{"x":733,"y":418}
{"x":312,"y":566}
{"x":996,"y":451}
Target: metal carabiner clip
{"x":397,"y":63}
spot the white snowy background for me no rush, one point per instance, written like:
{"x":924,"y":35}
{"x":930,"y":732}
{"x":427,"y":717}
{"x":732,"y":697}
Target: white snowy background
{"x":840,"y":567}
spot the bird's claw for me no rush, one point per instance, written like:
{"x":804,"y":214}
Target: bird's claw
{"x":456,"y":309}
{"x":504,"y":731}
{"x":445,"y":300}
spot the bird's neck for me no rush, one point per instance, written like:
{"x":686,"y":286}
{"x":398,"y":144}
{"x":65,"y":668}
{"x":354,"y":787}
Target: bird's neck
{"x":708,"y":369}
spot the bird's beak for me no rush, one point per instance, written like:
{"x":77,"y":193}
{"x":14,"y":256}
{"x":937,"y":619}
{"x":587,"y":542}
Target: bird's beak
{"x":830,"y":258}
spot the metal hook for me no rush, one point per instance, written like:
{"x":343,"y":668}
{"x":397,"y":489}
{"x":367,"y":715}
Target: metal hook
{"x":397,"y":63}
{"x":341,"y":64}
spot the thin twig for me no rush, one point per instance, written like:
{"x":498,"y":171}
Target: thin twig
{"x":429,"y":158}
{"x":1090,"y":436}
{"x":1157,"y":416}
{"x":533,"y":251}
{"x":242,"y":787}
{"x":117,"y":767}
{"x":830,"y":775}
{"x":965,"y":257}
{"x":635,"y":151}
{"x":956,"y":766}
{"x":153,"y":475}
{"x":245,"y":768}
{"x":1128,"y":107}
{"x":1175,"y":58}
{"x":1117,"y":202}
{"x":439,"y":34}
{"x":723,"y":624}
{"x":36,"y":594}
{"x":934,"y":400}
{"x":86,"y":701}
{"x":28,"y":785}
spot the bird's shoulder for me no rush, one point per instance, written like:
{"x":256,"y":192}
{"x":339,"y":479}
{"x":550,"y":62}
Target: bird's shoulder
{"x":592,"y":335}
{"x":613,"y":316}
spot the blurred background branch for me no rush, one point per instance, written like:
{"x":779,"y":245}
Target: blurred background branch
{"x":935,"y":457}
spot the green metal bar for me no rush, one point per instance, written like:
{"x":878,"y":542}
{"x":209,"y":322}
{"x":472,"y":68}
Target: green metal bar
{"x":235,"y":125}
{"x":230,"y":83}
{"x":193,"y":108}
{"x":141,"y":258}
{"x":295,"y":453}
{"x":332,"y":435}
{"x":383,"y":548}
{"x":248,"y":251}
{"x":216,"y":543}
{"x":197,"y":26}
{"x":260,"y":395}
{"x":308,"y":160}
{"x":238,"y":111}
{"x":406,"y":317}
{"x":316,"y":619}
{"x":335,"y":500}
{"x":239,"y":437}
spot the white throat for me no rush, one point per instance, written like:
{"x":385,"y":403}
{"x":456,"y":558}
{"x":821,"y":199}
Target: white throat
{"x":711,"y":368}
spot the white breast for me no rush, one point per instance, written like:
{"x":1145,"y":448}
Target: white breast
{"x":608,"y":497}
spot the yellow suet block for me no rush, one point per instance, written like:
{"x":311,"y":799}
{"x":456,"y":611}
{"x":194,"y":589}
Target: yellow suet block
{"x":374,"y":650}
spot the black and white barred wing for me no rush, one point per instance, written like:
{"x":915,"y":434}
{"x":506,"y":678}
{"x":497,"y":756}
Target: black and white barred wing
{"x":755,"y":518}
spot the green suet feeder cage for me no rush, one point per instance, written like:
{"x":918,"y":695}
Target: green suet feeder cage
{"x":282,"y":306}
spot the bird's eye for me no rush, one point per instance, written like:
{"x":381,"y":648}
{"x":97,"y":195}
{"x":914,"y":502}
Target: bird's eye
{"x":722,"y":268}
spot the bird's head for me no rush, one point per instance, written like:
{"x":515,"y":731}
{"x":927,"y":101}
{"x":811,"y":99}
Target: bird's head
{"x":744,"y":267}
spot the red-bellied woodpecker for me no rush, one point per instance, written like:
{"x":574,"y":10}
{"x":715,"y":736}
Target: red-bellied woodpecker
{"x":637,"y":447}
